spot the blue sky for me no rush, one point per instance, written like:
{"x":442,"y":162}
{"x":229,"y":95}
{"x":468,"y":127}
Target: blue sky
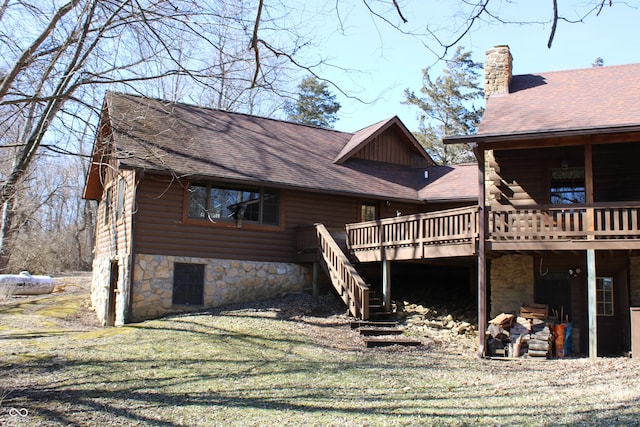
{"x":376,"y":63}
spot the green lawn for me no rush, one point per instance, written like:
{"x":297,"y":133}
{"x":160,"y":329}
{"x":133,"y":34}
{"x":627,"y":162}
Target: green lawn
{"x":244,"y":366}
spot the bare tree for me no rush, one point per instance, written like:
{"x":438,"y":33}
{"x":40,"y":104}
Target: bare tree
{"x":52,"y":68}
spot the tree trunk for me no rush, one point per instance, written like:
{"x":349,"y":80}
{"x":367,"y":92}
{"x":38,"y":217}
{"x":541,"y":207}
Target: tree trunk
{"x":6,"y":233}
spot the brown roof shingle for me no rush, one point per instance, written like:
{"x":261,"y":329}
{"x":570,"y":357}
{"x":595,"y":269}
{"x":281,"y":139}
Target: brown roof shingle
{"x":191,"y":141}
{"x":590,"y":98}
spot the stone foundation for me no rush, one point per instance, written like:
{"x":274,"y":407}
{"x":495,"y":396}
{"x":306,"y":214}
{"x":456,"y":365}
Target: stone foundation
{"x":225,"y":282}
{"x":512,"y":283}
{"x":100,"y":280}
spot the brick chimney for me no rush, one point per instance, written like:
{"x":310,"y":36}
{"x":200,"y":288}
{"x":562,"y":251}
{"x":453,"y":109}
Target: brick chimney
{"x":498,"y":70}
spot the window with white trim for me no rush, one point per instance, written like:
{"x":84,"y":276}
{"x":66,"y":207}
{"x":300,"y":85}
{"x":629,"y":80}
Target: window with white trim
{"x":604,"y":296}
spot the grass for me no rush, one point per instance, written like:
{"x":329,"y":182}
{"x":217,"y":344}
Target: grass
{"x":257,"y":367}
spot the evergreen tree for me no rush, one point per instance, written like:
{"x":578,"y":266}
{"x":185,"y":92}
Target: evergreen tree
{"x":315,"y":105}
{"x":447,"y":108}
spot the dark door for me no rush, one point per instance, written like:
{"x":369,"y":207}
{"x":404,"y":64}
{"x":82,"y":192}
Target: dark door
{"x":612,"y":305}
{"x":113,"y":286}
{"x":554,"y":289}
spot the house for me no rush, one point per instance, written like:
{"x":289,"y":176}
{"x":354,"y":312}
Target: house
{"x":200,"y":207}
{"x":559,"y":196}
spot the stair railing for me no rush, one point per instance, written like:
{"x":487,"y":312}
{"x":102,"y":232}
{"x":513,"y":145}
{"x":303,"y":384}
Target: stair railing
{"x":345,"y":279}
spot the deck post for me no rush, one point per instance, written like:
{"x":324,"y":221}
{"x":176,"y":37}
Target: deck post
{"x":386,"y":284}
{"x":591,"y":305}
{"x":482,"y":261}
{"x":314,"y":280}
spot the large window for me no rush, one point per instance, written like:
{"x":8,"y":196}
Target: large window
{"x":188,"y":284}
{"x":232,"y":203}
{"x":567,"y":186}
{"x":604,"y":296}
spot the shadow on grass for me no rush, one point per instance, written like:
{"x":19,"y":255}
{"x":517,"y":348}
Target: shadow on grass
{"x":157,"y":403}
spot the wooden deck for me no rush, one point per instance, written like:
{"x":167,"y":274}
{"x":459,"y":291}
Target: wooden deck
{"x":446,"y":233}
{"x":454,"y":232}
{"x":568,"y":228}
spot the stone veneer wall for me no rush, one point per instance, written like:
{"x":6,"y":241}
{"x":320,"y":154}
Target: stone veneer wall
{"x":226,"y":281}
{"x":100,"y":279}
{"x":512,"y":283}
{"x":634,"y":285}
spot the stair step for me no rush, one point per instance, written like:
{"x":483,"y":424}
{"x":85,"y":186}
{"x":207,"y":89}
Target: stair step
{"x":374,"y":316}
{"x":385,"y":341}
{"x":367,"y":331}
{"x":363,"y":323}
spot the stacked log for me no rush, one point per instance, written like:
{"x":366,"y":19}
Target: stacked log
{"x":511,"y":336}
{"x":539,"y":343}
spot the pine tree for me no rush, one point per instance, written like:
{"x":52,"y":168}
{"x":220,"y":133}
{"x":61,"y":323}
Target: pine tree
{"x":447,"y":108}
{"x":315,"y":104}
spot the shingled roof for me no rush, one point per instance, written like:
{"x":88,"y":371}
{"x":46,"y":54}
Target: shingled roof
{"x":590,"y":98}
{"x":190,"y":141}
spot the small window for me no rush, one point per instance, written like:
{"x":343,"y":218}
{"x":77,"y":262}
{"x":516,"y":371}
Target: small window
{"x":368,"y":212}
{"x":604,"y":296}
{"x":107,"y":205}
{"x":120,"y":201}
{"x":567,"y":186}
{"x":188,"y":284}
{"x":220,"y":203}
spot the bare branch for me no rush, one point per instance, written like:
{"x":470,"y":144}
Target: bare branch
{"x":555,"y":23}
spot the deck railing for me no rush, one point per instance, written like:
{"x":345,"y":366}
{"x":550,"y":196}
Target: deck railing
{"x":344,"y":277}
{"x":568,"y":223}
{"x":446,"y":227}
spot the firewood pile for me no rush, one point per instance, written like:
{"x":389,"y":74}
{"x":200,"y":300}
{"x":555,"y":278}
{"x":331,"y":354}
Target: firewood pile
{"x":528,"y":334}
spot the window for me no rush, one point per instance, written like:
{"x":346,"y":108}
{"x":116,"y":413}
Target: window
{"x":368,"y":212}
{"x":107,"y":205}
{"x":188,"y":284}
{"x":567,"y":186}
{"x":230,"y":203}
{"x":604,"y":296}
{"x":120,"y":201}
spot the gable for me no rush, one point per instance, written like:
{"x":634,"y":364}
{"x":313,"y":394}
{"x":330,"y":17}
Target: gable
{"x":101,"y":153}
{"x":388,"y":141}
{"x":390,"y":147}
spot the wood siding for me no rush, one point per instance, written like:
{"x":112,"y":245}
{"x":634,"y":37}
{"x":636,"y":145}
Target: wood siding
{"x":521,"y":177}
{"x":388,"y":147}
{"x":113,"y":234}
{"x":159,"y":226}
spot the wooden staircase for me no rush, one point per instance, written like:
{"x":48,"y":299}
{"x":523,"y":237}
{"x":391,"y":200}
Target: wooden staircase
{"x":344,"y":277}
{"x":383,"y":333}
{"x":374,"y":325}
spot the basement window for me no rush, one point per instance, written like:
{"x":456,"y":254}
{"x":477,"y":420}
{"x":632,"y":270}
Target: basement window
{"x":188,"y":284}
{"x":221,"y":203}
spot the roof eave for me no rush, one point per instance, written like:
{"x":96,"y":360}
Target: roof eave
{"x":522,"y":136}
